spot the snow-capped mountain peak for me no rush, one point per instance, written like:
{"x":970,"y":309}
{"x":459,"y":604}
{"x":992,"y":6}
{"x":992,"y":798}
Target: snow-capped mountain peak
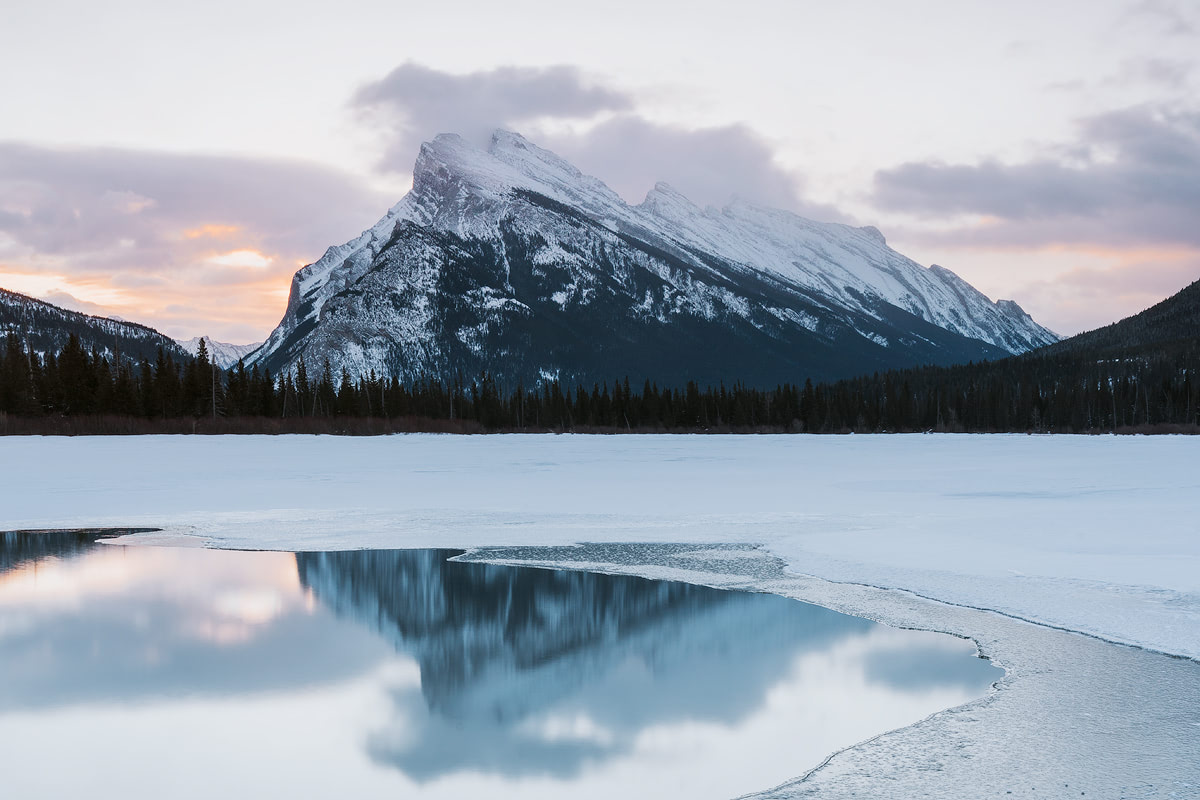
{"x":667,"y":204}
{"x":222,"y":354}
{"x":510,"y":259}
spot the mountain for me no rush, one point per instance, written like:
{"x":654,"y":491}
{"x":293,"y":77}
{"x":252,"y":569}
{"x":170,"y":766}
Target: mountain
{"x":46,"y":328}
{"x":1174,"y":321}
{"x":223,"y":354}
{"x":512,"y":261}
{"x":1141,"y":374}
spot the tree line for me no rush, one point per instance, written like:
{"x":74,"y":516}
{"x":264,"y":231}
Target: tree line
{"x":1068,"y":392}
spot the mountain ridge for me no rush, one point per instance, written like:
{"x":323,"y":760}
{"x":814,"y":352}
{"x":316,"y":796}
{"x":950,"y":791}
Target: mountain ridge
{"x":46,"y":328}
{"x":223,"y":354}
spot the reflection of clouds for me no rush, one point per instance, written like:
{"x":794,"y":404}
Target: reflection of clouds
{"x":526,"y":683}
{"x":220,"y":632}
{"x":63,"y":584}
{"x":253,"y":606}
{"x":928,"y":667}
{"x":237,"y":614}
{"x":704,"y":664}
{"x":566,"y":727}
{"x":426,"y":746}
{"x":746,"y":682}
{"x":65,"y":581}
{"x":140,"y":622}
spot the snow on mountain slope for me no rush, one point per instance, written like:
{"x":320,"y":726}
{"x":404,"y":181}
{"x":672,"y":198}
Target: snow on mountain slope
{"x":511,"y":260}
{"x":223,"y":354}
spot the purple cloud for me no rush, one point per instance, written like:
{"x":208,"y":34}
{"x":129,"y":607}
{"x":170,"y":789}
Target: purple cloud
{"x":415,"y":103}
{"x":630,"y":153}
{"x":107,"y":208}
{"x":1132,"y":178}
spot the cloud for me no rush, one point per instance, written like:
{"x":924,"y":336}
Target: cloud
{"x":1131,"y":179}
{"x":204,"y":244}
{"x":69,"y":301}
{"x":708,"y":165}
{"x":1172,"y":16}
{"x":595,"y":126}
{"x":1108,"y":286}
{"x":90,"y":203}
{"x":415,"y":103}
{"x":134,"y":232}
{"x":1169,"y":73}
{"x":1085,"y":231}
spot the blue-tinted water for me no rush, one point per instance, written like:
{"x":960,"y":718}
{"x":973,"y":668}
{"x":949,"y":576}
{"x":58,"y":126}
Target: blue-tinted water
{"x":166,"y":672}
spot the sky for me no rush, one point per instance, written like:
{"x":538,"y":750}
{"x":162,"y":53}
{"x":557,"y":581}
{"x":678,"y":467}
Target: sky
{"x":175,"y":163}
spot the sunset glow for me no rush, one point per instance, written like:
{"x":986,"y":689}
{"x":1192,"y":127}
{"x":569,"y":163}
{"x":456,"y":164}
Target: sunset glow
{"x":251,"y":259}
{"x":212,"y":231}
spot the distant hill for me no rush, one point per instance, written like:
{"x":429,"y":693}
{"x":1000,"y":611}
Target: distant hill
{"x":223,"y":354}
{"x":46,"y":328}
{"x":1174,"y":320}
{"x":1141,"y":373}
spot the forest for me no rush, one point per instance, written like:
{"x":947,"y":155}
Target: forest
{"x":1089,"y":389}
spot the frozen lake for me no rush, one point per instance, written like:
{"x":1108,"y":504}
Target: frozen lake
{"x":1073,"y":562}
{"x":184,"y":672}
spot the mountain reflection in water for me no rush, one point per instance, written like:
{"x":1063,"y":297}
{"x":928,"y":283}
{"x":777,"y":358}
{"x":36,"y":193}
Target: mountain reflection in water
{"x":501,"y":647}
{"x":397,"y":671}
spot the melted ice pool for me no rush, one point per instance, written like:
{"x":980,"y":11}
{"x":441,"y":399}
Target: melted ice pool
{"x":147,"y":672}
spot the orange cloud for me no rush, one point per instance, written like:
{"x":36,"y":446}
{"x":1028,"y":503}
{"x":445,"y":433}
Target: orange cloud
{"x":89,"y":288}
{"x":236,"y":302}
{"x":189,"y":244}
{"x":1128,"y":255}
{"x":242,"y":258}
{"x":211,"y":231}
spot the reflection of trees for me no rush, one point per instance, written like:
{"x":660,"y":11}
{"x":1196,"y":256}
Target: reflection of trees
{"x":18,"y":548}
{"x":459,"y":618}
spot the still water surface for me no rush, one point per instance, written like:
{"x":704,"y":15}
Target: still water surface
{"x":141,"y":672}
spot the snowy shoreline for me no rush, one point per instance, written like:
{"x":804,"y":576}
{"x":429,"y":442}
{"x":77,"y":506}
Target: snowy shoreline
{"x":1082,"y":715}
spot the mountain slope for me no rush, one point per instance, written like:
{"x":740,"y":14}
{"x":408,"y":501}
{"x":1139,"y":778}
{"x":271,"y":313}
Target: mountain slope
{"x":510,"y":260}
{"x":1176,"y":319}
{"x":46,"y":328}
{"x":223,"y":354}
